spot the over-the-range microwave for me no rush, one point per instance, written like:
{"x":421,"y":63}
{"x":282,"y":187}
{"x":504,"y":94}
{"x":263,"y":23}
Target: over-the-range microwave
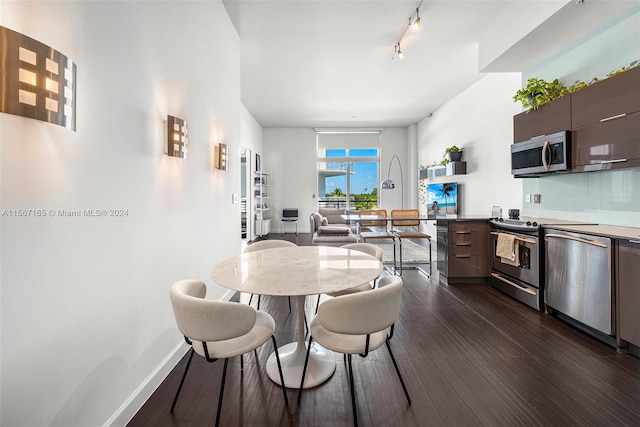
{"x":542,"y":154}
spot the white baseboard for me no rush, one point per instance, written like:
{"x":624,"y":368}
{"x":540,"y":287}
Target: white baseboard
{"x":132,"y":405}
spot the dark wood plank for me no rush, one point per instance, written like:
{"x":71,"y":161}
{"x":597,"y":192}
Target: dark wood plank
{"x":470,"y":356}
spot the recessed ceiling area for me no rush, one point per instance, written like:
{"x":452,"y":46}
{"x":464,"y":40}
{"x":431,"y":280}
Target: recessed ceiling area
{"x":330,"y":63}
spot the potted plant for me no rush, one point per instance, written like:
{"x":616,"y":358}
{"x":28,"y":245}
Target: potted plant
{"x":453,"y":153}
{"x":538,"y":92}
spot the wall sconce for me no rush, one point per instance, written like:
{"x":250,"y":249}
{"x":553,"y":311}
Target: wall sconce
{"x":38,"y":82}
{"x":177,"y":138}
{"x":221,"y":162}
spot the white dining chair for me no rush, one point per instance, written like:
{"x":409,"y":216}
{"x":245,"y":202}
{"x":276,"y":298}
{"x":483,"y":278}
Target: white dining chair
{"x":268,"y":244}
{"x":358,"y":324}
{"x":219,"y":330}
{"x":367,"y":248}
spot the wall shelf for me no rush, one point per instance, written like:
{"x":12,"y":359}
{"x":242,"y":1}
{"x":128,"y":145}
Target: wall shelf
{"x":452,"y":168}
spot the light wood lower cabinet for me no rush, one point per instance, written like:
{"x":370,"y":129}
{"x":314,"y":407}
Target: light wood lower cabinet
{"x":464,"y":250}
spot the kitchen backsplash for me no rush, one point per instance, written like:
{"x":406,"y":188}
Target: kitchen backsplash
{"x":606,"y":197}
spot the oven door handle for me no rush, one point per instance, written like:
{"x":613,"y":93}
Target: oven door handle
{"x":499,"y":277}
{"x":533,"y":242}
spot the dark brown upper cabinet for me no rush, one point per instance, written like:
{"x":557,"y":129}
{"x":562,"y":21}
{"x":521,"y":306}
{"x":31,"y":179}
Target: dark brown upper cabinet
{"x":604,"y":119}
{"x":607,"y":99}
{"x":552,"y":117}
{"x":606,"y":124}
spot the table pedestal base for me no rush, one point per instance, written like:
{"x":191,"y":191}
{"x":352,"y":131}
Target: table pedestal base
{"x":320,"y":367}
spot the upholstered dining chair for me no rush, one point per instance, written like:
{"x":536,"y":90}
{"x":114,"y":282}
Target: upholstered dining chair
{"x":358,"y":324}
{"x":378,"y":228}
{"x":268,"y":244}
{"x":219,"y":330}
{"x":367,"y":248}
{"x":405,"y":224}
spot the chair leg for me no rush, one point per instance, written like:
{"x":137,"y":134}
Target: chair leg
{"x":284,"y":389}
{"x":289,"y":304}
{"x":395,"y":365}
{"x":400,"y":242}
{"x":430,"y":260}
{"x":304,"y":369}
{"x":353,"y":391}
{"x":259,"y":301}
{"x":395,"y":265}
{"x":318,"y":304}
{"x":224,"y":376}
{"x":184,"y":375}
{"x":250,"y":299}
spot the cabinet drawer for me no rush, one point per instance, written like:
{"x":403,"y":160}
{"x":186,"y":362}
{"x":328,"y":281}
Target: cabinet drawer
{"x":463,"y":265}
{"x":607,"y":98}
{"x":607,"y":145}
{"x":463,"y":238}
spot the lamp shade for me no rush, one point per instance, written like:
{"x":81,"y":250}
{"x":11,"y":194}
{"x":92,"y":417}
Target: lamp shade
{"x":388,"y":184}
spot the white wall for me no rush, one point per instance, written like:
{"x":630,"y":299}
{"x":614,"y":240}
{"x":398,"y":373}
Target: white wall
{"x":394,"y":142}
{"x":85,"y":314}
{"x":480,"y":122}
{"x":291,"y":158}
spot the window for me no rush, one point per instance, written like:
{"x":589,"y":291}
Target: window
{"x":348,"y":177}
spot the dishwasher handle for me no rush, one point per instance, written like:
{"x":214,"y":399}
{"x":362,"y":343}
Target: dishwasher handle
{"x":577,"y":239}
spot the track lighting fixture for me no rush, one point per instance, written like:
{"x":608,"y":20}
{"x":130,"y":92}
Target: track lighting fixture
{"x":414,"y":23}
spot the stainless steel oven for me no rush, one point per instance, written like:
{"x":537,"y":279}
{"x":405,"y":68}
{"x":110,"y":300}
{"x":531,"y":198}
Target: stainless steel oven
{"x":523,"y":280}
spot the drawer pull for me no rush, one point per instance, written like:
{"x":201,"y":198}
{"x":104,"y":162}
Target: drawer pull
{"x":463,"y":244}
{"x":463,"y":232}
{"x":604,"y":162}
{"x":606,"y":119}
{"x":463,"y":256}
{"x":499,"y":277}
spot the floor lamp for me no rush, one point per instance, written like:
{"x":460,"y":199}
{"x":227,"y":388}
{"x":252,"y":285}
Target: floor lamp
{"x":388,"y":183}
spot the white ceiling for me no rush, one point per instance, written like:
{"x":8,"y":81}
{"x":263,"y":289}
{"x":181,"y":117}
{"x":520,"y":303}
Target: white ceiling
{"x":329,"y":63}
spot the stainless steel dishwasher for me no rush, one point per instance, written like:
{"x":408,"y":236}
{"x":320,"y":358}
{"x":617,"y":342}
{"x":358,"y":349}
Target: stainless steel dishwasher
{"x":578,"y":278}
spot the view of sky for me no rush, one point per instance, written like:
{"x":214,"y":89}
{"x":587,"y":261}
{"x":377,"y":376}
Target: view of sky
{"x":364,"y":176}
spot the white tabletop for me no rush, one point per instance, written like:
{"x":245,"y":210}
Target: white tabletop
{"x":298,"y":271}
{"x":295,"y":271}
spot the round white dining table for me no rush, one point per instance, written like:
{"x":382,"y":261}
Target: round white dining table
{"x":298,"y":271}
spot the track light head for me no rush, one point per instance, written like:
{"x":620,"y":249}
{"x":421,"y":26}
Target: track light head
{"x":416,"y":24}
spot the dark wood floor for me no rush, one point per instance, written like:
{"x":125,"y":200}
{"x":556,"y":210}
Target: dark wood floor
{"x":470,"y":355}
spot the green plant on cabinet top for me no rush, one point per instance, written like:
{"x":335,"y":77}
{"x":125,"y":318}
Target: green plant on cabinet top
{"x":539,"y":91}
